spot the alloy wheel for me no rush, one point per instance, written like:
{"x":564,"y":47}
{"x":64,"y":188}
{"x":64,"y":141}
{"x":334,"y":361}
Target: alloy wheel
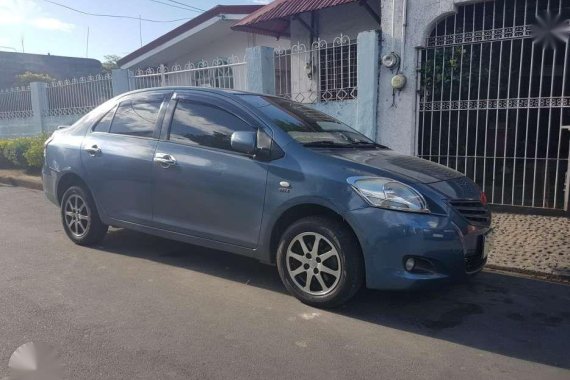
{"x":313,"y":263}
{"x":77,"y":215}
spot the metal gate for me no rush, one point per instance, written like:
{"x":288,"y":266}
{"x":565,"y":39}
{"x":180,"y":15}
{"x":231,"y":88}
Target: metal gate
{"x":494,"y":94}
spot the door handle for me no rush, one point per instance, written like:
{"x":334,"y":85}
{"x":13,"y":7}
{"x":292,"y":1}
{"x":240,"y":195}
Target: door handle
{"x":93,"y":150}
{"x":165,"y":160}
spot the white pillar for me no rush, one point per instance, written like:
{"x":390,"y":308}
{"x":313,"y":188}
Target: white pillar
{"x":260,"y":70}
{"x":120,"y":81}
{"x":38,"y":94}
{"x":367,"y":82}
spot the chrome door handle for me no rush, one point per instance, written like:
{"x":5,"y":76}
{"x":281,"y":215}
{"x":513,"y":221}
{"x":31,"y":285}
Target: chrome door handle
{"x":93,"y":150}
{"x":165,"y":160}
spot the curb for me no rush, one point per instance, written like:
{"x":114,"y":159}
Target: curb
{"x":29,"y":184}
{"x":558,"y":278}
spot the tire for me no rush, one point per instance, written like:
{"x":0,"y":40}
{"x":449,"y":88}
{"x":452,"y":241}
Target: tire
{"x":80,"y":218}
{"x":336,"y":271}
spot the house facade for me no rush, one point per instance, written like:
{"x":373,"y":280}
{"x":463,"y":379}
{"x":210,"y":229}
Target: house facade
{"x":202,"y":40}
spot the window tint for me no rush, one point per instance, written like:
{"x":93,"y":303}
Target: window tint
{"x":195,"y":123}
{"x":136,"y":118}
{"x":104,"y":124}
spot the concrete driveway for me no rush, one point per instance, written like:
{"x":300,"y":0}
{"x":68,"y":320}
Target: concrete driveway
{"x":147,"y":308}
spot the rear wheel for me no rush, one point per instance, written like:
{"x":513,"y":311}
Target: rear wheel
{"x":320,"y":262}
{"x":80,"y":217}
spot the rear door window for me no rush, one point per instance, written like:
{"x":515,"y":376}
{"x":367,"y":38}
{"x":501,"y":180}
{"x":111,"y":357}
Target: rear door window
{"x":136,"y":117}
{"x":105,"y":122}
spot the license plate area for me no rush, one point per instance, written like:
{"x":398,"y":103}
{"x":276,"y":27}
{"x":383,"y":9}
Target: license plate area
{"x":487,"y":241}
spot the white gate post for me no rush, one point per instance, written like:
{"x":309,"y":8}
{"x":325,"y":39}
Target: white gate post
{"x":120,"y":81}
{"x":38,"y":93}
{"x":260,"y":69}
{"x":567,"y":177}
{"x":162,"y":69}
{"x":367,"y":56}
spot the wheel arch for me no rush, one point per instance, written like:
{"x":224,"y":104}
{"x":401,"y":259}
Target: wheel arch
{"x":66,"y":181}
{"x":297,"y":212}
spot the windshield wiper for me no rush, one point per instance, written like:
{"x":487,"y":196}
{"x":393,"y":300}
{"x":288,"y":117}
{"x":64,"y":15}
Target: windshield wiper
{"x":357,"y":144}
{"x":325,"y":144}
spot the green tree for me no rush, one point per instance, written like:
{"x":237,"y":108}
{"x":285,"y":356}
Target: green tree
{"x":28,"y":77}
{"x":110,"y":62}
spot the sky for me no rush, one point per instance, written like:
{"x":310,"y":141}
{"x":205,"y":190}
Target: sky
{"x":41,"y":27}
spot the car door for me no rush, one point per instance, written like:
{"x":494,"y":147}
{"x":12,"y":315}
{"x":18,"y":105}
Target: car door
{"x":204,"y":188}
{"x":118,"y":157}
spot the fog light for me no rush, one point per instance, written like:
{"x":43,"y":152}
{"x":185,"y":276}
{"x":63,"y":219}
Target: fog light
{"x":410,"y":264}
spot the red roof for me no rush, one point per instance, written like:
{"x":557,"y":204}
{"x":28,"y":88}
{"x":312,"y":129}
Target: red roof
{"x":273,"y":19}
{"x":203,"y":17}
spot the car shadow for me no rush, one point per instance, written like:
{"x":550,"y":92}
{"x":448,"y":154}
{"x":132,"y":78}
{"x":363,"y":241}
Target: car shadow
{"x":496,"y":312}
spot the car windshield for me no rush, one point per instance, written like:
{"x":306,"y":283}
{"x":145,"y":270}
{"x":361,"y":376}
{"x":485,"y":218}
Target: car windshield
{"x":307,"y":125}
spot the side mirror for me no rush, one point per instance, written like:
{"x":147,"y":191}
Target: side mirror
{"x":244,"y":142}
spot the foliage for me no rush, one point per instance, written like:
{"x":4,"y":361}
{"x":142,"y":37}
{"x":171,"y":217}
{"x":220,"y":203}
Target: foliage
{"x":110,"y":62}
{"x":23,"y":152}
{"x":445,"y":69}
{"x":14,"y":151}
{"x":28,"y":77}
{"x":35,"y":154}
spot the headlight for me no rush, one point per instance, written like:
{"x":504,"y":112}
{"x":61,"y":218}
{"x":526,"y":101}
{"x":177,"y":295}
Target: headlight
{"x":388,"y":193}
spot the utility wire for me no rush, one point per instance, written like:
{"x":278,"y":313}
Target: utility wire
{"x":113,"y":16}
{"x":186,"y":5}
{"x":175,"y":6}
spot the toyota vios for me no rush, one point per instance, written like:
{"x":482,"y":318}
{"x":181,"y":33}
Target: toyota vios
{"x":268,"y":178}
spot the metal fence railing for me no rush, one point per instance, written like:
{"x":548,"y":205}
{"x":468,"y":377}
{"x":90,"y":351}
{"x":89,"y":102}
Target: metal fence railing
{"x":321,"y":72}
{"x":16,"y":103}
{"x":221,"y":73}
{"x":78,"y":96}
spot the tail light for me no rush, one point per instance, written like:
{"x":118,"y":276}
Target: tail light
{"x":483,"y":198}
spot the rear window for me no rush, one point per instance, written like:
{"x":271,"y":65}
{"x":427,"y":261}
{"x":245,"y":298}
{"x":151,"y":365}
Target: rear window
{"x":136,"y":118}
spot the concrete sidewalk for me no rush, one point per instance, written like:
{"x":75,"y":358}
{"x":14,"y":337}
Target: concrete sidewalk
{"x":531,"y":243}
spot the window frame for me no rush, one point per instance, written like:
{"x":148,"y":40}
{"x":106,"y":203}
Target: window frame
{"x":208,"y":101}
{"x":148,"y":97}
{"x":113,"y":110}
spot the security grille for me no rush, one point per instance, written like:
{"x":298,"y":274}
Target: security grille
{"x":494,"y":95}
{"x":320,"y":72}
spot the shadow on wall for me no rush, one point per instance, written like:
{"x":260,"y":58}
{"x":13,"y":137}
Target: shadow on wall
{"x":513,"y":316}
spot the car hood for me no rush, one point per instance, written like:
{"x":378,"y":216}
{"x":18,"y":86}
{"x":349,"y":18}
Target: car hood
{"x":414,"y":168}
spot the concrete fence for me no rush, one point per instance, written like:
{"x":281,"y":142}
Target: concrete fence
{"x":43,"y":107}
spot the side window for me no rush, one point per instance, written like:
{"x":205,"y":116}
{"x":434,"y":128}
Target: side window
{"x":200,"y":124}
{"x":105,"y":122}
{"x":136,"y":118}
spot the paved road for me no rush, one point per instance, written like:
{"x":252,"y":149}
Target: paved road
{"x":146,"y":308}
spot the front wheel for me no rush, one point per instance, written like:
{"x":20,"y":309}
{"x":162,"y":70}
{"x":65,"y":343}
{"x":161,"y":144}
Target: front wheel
{"x":320,"y":262}
{"x":80,"y":217}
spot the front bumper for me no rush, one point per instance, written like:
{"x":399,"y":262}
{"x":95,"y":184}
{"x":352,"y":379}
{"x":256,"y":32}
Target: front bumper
{"x":450,"y":251}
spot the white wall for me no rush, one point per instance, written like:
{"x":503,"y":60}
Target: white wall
{"x":233,"y":43}
{"x":214,"y":40}
{"x":29,"y":126}
{"x":349,"y":19}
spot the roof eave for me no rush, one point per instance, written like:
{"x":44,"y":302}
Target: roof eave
{"x":216,"y":11}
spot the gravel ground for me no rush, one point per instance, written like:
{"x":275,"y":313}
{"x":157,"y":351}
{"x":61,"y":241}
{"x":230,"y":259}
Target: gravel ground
{"x":532,"y":243}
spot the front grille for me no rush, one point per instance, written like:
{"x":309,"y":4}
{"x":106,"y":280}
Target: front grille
{"x":473,"y":211}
